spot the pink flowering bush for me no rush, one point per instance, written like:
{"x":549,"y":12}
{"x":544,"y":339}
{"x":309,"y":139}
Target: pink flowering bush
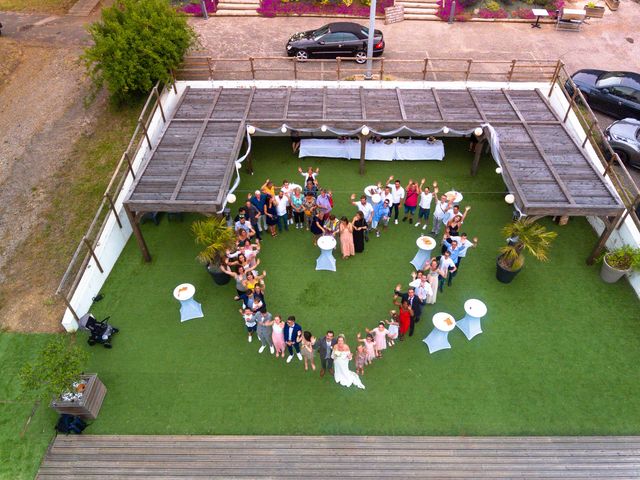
{"x":486,"y":13}
{"x":523,"y":12}
{"x":196,"y":10}
{"x":359,"y":8}
{"x":445,"y":11}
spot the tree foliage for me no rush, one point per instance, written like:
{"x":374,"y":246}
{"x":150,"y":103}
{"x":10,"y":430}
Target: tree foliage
{"x":56,"y":368}
{"x":215,"y":236}
{"x":136,"y":43}
{"x":526,"y":235}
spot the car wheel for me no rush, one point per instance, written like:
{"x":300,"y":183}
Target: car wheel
{"x":624,"y":158}
{"x":361,"y":57}
{"x":302,"y":55}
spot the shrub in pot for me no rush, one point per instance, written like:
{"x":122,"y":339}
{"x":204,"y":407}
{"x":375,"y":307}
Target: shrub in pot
{"x":618,"y":262}
{"x":214,"y":234}
{"x":523,"y":235}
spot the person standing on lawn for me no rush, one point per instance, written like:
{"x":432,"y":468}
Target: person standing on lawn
{"x":309,"y":209}
{"x":324,"y":346}
{"x":278,"y":335}
{"x":359,"y":231}
{"x":424,"y":206}
{"x":397,"y":194}
{"x":282,"y":205}
{"x":259,"y":200}
{"x":271,"y":212}
{"x":310,"y":174}
{"x":463,"y":245}
{"x":292,"y":338}
{"x":445,"y":267}
{"x":410,"y":201}
{"x":404,"y":317}
{"x":441,"y":209}
{"x":346,"y":238}
{"x":367,"y":212}
{"x":381,"y":215}
{"x":297,"y":199}
{"x":414,"y":303}
{"x":252,"y":214}
{"x":324,"y":204}
{"x":264,"y":329}
{"x":308,"y":341}
{"x":249,"y":322}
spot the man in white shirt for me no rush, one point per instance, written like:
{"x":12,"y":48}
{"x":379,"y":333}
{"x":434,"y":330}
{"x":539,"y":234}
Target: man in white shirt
{"x":242,"y":224}
{"x":424,"y":207}
{"x":446,"y":267}
{"x":397,"y":194}
{"x":464,"y":244}
{"x":442,"y":207}
{"x":282,"y":202}
{"x":367,"y":211}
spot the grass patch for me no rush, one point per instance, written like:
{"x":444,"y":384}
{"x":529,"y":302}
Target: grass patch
{"x":21,"y":448}
{"x":37,"y":6}
{"x":554,"y":359}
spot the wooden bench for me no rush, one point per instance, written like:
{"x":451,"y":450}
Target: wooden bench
{"x":570,"y":19}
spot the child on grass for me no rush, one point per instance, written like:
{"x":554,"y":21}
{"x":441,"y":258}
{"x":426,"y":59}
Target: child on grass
{"x":249,"y":322}
{"x":380,"y":337}
{"x":369,"y":347}
{"x":361,"y":358}
{"x":393,"y":328}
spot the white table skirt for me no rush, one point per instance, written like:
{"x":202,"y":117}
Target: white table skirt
{"x":410,"y":150}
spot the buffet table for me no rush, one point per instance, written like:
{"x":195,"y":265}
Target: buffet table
{"x":334,"y":148}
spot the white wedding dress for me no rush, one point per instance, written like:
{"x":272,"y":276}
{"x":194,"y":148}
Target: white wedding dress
{"x":343,"y":375}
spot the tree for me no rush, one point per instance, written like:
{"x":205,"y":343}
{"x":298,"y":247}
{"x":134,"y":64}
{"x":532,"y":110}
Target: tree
{"x":136,"y":44}
{"x":524,"y":235}
{"x":55,"y":369}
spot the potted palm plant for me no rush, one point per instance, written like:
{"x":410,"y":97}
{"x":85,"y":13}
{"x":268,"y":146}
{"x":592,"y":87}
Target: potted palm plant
{"x":618,"y":262}
{"x":214,"y":234}
{"x":522,"y":235}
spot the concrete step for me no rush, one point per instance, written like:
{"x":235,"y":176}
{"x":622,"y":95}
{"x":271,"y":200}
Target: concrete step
{"x":420,"y":11}
{"x":237,"y":6}
{"x":417,"y":3}
{"x":251,"y":2}
{"x":415,"y":16}
{"x":83,"y":8}
{"x":236,"y":13}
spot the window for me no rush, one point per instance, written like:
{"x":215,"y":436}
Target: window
{"x":320,"y":32}
{"x":332,"y":38}
{"x":610,"y":79}
{"x":623,"y":92}
{"x":349,"y":37}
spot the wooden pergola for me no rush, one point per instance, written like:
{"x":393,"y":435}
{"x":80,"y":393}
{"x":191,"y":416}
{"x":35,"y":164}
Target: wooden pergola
{"x":543,"y":165}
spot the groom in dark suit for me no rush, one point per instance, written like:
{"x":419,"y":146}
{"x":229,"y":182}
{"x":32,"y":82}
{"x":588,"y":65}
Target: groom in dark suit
{"x":324,"y":346}
{"x":292,"y":337}
{"x":414,"y":302}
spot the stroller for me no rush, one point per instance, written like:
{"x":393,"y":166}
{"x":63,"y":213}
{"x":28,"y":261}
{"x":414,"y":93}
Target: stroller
{"x":99,"y":332}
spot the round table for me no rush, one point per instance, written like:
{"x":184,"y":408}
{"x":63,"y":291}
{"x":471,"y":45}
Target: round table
{"x":456,"y":196}
{"x":444,"y":322}
{"x":425,"y":246}
{"x":375,"y":198}
{"x":367,"y":192}
{"x":471,"y":323}
{"x":438,"y":339}
{"x":189,"y":308}
{"x":326,"y":261}
{"x":293,"y":186}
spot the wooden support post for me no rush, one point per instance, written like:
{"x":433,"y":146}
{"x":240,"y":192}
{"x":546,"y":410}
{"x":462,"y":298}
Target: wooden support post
{"x":138,"y":234}
{"x":146,"y":134}
{"x":476,"y":157}
{"x":609,"y":227}
{"x":253,"y":69}
{"x":468,"y":72}
{"x":363,"y":151}
{"x":425,"y":68}
{"x":71,"y":309}
{"x":338,"y":65}
{"x":554,"y":79}
{"x":128,"y":159}
{"x":381,"y":68}
{"x":295,"y":68}
{"x":173,"y":79}
{"x":210,"y":68}
{"x":155,"y":90}
{"x":113,"y":208}
{"x":571,"y":103}
{"x":510,"y":74}
{"x":93,"y":253}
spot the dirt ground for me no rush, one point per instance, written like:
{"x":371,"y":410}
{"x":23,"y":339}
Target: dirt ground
{"x":42,"y":113}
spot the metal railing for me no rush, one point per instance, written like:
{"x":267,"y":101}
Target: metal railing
{"x":200,"y":66}
{"x":87,"y":246}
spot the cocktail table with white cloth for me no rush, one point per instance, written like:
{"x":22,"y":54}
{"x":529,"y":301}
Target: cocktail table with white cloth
{"x":368,"y":192}
{"x":470,"y":324}
{"x":326,"y":261}
{"x":438,"y":339}
{"x":455,"y":196}
{"x":425,"y":246}
{"x":189,"y":308}
{"x":409,"y":150}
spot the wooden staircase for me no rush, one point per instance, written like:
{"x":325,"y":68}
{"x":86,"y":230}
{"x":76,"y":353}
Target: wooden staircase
{"x":237,"y":8}
{"x":419,"y":9}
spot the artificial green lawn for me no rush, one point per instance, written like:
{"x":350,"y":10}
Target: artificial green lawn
{"x":558,"y":354}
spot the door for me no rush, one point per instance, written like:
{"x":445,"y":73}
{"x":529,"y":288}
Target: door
{"x":350,"y":44}
{"x":329,"y":45}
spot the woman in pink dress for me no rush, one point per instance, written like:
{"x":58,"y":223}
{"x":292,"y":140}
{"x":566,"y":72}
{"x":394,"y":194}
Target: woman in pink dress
{"x":380,"y":338}
{"x":277,"y":335}
{"x":346,"y":238}
{"x":369,"y":347}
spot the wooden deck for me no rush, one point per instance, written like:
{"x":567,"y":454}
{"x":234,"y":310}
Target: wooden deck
{"x":543,"y":165}
{"x":180,"y":457}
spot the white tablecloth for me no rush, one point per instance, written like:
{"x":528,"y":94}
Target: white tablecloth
{"x":410,"y":150}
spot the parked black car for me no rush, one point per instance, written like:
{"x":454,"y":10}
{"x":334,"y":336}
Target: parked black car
{"x":614,"y":93}
{"x":624,"y":138}
{"x":340,"y":39}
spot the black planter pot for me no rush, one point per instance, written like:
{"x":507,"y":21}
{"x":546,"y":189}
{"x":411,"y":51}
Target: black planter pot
{"x":503,"y":275}
{"x":219,"y":277}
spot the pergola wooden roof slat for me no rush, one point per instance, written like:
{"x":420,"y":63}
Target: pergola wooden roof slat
{"x":190,"y":167}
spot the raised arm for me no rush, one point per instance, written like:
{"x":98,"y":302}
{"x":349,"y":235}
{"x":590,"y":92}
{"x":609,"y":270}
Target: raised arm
{"x":466,"y":211}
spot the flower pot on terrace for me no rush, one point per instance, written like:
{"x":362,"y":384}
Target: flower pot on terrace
{"x":219,"y":277}
{"x":88,"y":406}
{"x":594,"y":12}
{"x":610,"y":274}
{"x":612,"y":4}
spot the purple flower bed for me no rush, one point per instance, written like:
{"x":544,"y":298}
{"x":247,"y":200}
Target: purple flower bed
{"x":196,"y":10}
{"x":486,"y":13}
{"x":464,"y":10}
{"x":272,"y":8}
{"x":445,"y":11}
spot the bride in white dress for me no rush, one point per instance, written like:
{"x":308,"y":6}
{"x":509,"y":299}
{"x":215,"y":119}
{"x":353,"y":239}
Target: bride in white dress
{"x":341,"y":356}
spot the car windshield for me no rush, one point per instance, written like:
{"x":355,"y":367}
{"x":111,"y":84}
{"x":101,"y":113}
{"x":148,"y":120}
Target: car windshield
{"x":320,"y":32}
{"x":610,"y":79}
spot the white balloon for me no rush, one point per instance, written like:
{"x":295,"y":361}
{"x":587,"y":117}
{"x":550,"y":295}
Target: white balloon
{"x":231,"y":198}
{"x":509,"y":198}
{"x":365,"y":130}
{"x":445,"y":130}
{"x":251,"y":129}
{"x":477,"y":132}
